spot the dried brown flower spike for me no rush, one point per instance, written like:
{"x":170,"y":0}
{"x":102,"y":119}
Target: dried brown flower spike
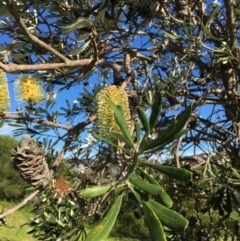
{"x":30,"y":162}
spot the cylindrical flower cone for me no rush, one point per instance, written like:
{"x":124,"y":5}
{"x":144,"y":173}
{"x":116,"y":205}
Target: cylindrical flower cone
{"x":28,"y":89}
{"x":4,"y":93}
{"x":105,"y":114}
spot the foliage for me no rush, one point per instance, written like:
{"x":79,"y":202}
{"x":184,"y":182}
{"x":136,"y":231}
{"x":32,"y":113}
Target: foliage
{"x":12,"y":186}
{"x":177,"y":61}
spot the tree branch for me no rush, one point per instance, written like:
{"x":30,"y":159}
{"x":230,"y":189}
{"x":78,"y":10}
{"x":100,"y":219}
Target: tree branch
{"x":36,"y":120}
{"x":11,"y":68}
{"x":21,"y":204}
{"x":230,"y":22}
{"x":11,"y":8}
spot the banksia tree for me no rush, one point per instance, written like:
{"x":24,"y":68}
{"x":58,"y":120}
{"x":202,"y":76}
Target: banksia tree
{"x":105,"y":113}
{"x":28,"y":89}
{"x":4,"y":94}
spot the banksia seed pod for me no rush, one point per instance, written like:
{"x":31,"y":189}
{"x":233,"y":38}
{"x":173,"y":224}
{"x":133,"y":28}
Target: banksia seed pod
{"x":29,"y":161}
{"x":4,"y":94}
{"x":28,"y":89}
{"x":105,"y":114}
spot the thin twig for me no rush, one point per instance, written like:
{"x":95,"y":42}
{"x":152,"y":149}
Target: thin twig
{"x":11,"y":8}
{"x":21,"y":204}
{"x":36,"y":120}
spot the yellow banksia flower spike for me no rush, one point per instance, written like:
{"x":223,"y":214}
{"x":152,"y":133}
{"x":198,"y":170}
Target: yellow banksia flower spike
{"x":28,"y":89}
{"x":105,"y":114}
{"x":4,"y":93}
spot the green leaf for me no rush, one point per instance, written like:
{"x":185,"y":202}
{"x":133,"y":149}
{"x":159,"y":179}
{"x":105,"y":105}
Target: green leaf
{"x":172,"y":132}
{"x":166,"y":199}
{"x":182,"y":120}
{"x":237,"y":10}
{"x":187,"y":26}
{"x":155,"y":226}
{"x":121,"y":121}
{"x":161,"y":139}
{"x":57,"y":82}
{"x":103,"y":229}
{"x":92,"y":192}
{"x":99,"y":16}
{"x":132,"y":168}
{"x":121,"y":138}
{"x":156,"y":110}
{"x":1,"y":123}
{"x":104,"y":139}
{"x":144,"y":120}
{"x":168,"y":217}
{"x":171,"y":36}
{"x":152,"y":189}
{"x":83,"y":37}
{"x":138,"y":132}
{"x":173,"y":172}
{"x":32,"y":131}
{"x":81,"y":23}
{"x":79,"y":49}
{"x":206,"y":28}
{"x":169,"y":140}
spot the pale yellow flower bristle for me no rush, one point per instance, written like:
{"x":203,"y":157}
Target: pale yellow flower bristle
{"x":105,"y":114}
{"x":29,"y":89}
{"x":4,"y":93}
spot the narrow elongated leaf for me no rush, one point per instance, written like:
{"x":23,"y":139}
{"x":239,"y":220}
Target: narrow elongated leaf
{"x":138,"y":132}
{"x":144,"y":120}
{"x":101,"y":15}
{"x":132,"y":168}
{"x":79,"y":49}
{"x":81,"y":23}
{"x":155,"y":226}
{"x":156,"y":110}
{"x":32,"y":131}
{"x":120,"y":119}
{"x":173,"y":130}
{"x":92,"y":192}
{"x":16,"y":124}
{"x":166,"y":199}
{"x":168,"y":217}
{"x":121,"y":138}
{"x":173,"y":172}
{"x":171,"y":36}
{"x":161,"y":139}
{"x":152,"y":189}
{"x":104,"y":139}
{"x":183,"y":119}
{"x":1,"y":123}
{"x":206,"y":28}
{"x":102,"y":230}
{"x":167,"y":141}
{"x":83,"y":37}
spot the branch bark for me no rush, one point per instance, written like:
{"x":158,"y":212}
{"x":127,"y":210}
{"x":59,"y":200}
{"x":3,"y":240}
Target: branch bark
{"x":230,"y":22}
{"x":36,"y":120}
{"x":11,"y":8}
{"x":24,"y":202}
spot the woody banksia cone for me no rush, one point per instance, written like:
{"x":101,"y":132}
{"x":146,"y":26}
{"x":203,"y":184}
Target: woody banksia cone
{"x":29,"y":161}
{"x":29,"y":89}
{"x":4,"y":94}
{"x":105,"y":114}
